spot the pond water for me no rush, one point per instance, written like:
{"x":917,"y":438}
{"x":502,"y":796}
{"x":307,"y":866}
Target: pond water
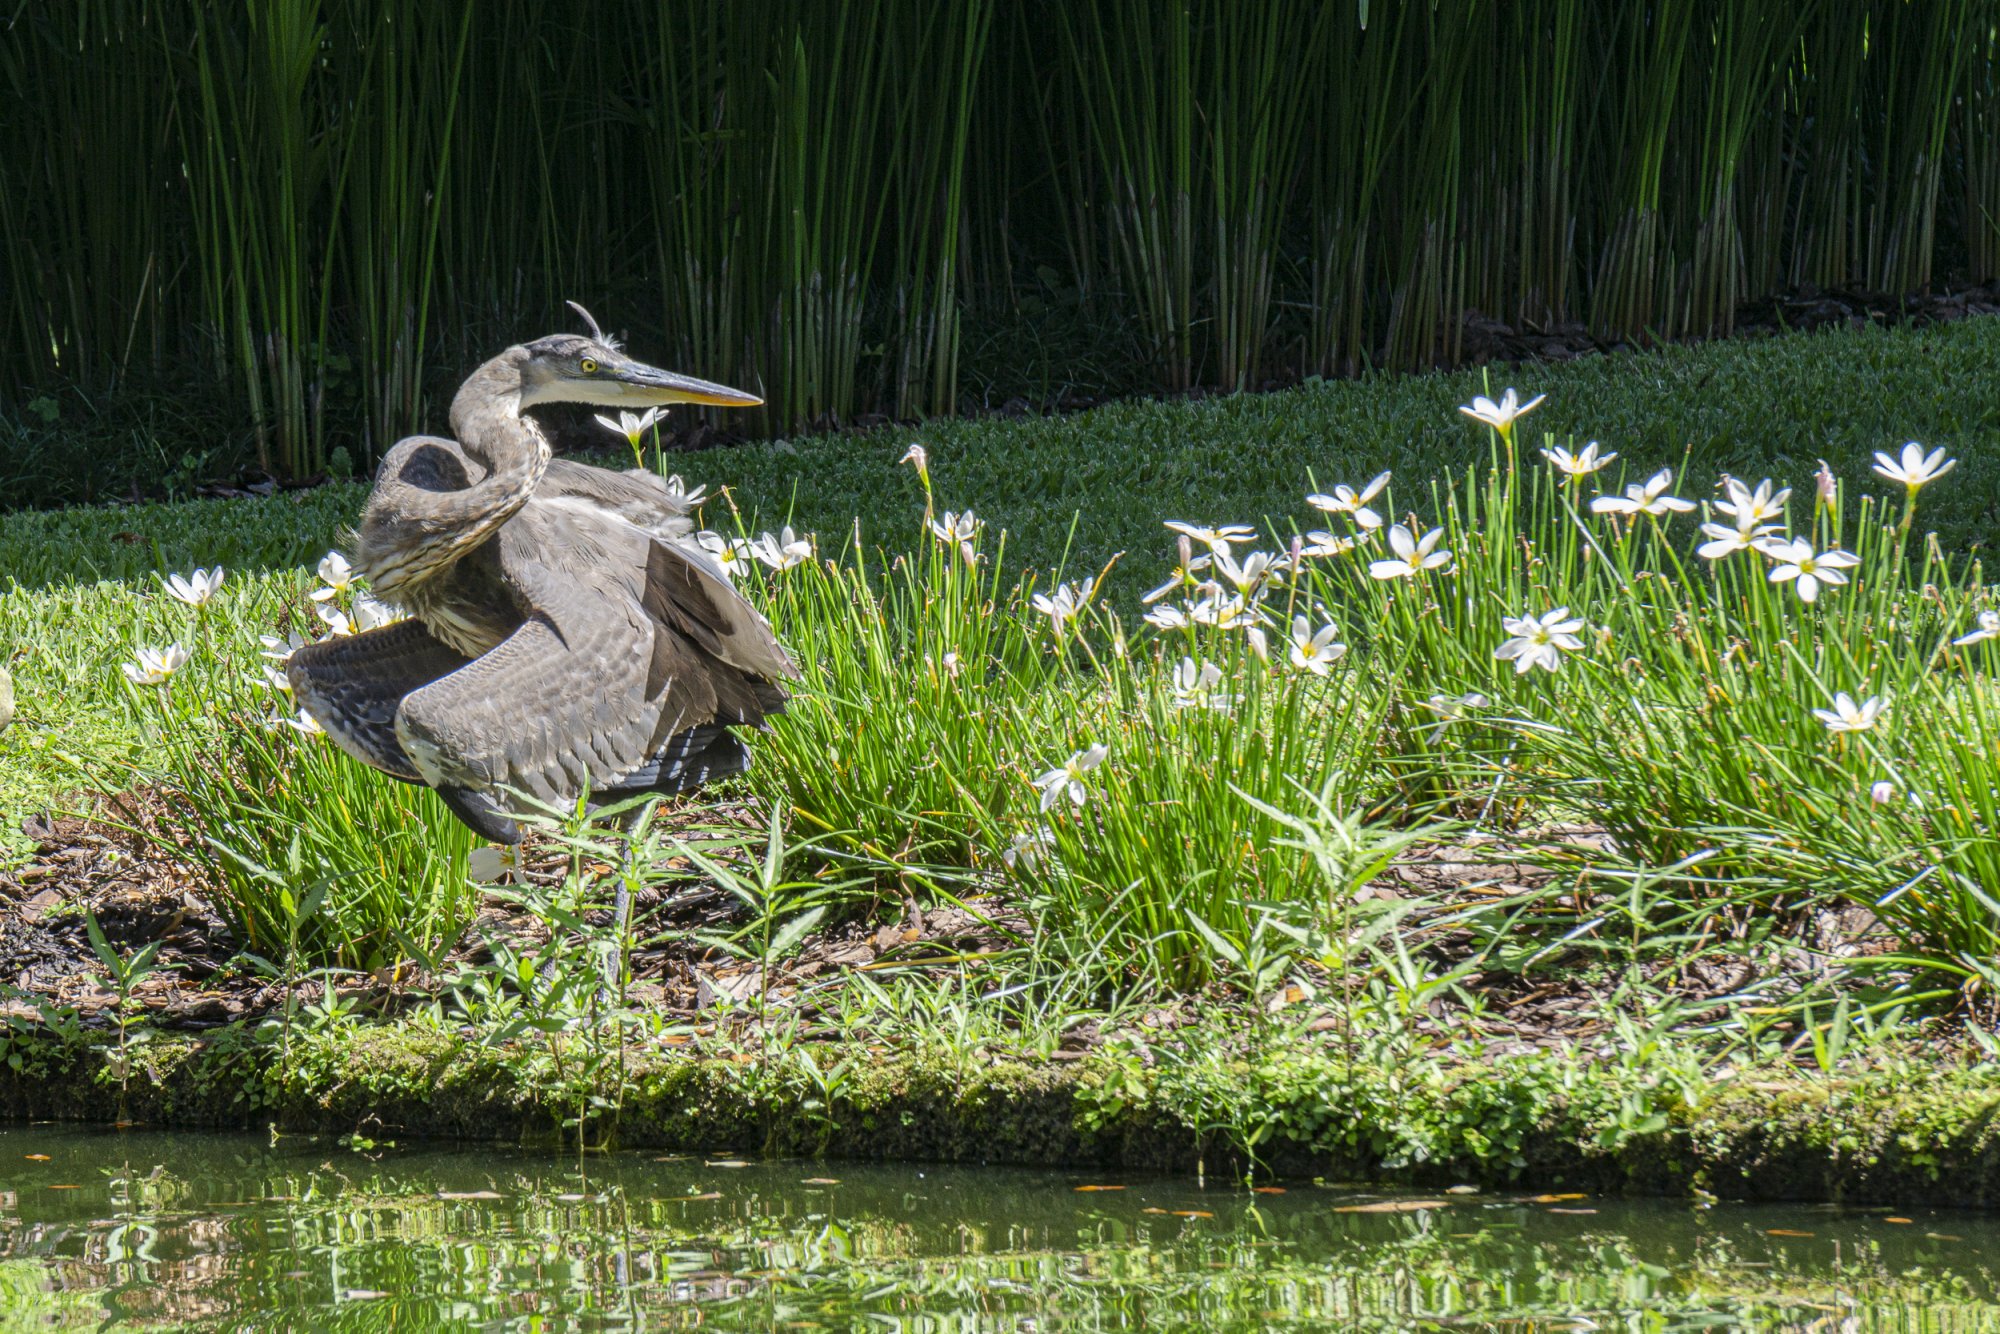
{"x":101,"y":1229}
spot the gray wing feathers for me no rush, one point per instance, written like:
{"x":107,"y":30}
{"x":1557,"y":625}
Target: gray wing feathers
{"x":353,"y":686}
{"x":636,"y":496}
{"x":609,"y":684}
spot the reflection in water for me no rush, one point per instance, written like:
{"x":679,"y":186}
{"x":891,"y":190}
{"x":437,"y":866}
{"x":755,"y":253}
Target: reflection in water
{"x":162,"y":1230}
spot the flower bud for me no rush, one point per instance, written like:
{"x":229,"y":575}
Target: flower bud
{"x":1882,"y":793}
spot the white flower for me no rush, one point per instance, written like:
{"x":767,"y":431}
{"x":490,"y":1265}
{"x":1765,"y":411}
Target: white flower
{"x":373,"y":613}
{"x":956,"y":528}
{"x":631,"y":425}
{"x":1257,"y":567}
{"x":337,"y":624}
{"x":1452,"y":708}
{"x":1062,"y":608}
{"x":491,"y":865}
{"x":1539,"y":641}
{"x":952,"y":665}
{"x":1578,"y":466}
{"x":960,"y":530}
{"x":280,"y":650}
{"x":1167,"y":618}
{"x":1989,"y":628}
{"x":1346,"y":500}
{"x":1725,"y":540}
{"x":920,"y":457}
{"x":1844,"y":716}
{"x":274,"y":681}
{"x":677,"y":490}
{"x":194,"y":589}
{"x":1752,"y":509}
{"x":1825,"y":488}
{"x":1500,"y":416}
{"x":1069,"y":779}
{"x":1798,"y":561}
{"x":782,"y":550}
{"x":336,"y":574}
{"x":1916,"y":467}
{"x":1183,"y":575}
{"x":1315,"y":651}
{"x":301,"y":722}
{"x":1882,"y":792}
{"x":1226,"y":613}
{"x":1413,"y":555}
{"x":1026,"y":848}
{"x":1216,"y":539}
{"x":731,"y":555}
{"x":155,"y":665}
{"x":1648,"y":499}
{"x":1319,"y":542}
{"x":1194,"y":686}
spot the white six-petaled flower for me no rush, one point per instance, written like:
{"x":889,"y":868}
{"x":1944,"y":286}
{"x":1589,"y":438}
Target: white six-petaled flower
{"x":1216,"y":539}
{"x":631,"y":425}
{"x":1413,"y":555}
{"x":1451,"y":709}
{"x":782,"y":550}
{"x":1315,"y":651}
{"x":1752,"y":509}
{"x":1026,"y":847}
{"x":194,"y":589}
{"x":1502,"y":415}
{"x":1539,"y":641}
{"x":731,"y":555}
{"x":1797,"y":560}
{"x":679,"y":492}
{"x":155,"y":666}
{"x":1194,"y":686}
{"x":280,"y":650}
{"x":1988,"y":628}
{"x":1063,"y":604}
{"x":1576,"y":467}
{"x":1753,"y":513}
{"x":1068,"y":780}
{"x":1847,"y":716}
{"x":1915,"y":468}
{"x":1257,"y":567}
{"x":336,"y":574}
{"x":1168,"y":618}
{"x":1346,"y":500}
{"x":1319,"y":542}
{"x":1651,"y":498}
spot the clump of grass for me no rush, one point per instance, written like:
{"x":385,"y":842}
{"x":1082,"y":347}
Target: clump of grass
{"x":303,"y":851}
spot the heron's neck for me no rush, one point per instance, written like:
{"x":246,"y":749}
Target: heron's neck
{"x":486,"y":417}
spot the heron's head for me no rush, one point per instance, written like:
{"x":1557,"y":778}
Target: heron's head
{"x":575,"y":368}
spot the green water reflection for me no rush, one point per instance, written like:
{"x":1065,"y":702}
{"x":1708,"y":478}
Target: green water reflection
{"x":138,"y":1230}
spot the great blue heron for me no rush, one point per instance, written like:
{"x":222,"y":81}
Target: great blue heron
{"x":562,"y":639}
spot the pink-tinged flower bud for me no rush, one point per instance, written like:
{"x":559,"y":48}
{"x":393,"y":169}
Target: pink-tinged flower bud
{"x":1823,"y":480}
{"x":1882,"y":793}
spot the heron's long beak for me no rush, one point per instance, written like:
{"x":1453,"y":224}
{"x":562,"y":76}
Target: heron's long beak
{"x":641,"y":383}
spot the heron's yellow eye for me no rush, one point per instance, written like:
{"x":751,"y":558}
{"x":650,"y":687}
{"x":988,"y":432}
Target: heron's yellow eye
{"x":588,"y":366}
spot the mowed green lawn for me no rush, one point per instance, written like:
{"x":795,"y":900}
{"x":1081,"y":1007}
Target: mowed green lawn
{"x":77,"y":588}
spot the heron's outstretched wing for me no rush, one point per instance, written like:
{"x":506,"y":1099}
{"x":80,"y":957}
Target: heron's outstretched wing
{"x":353,"y":686}
{"x":618,"y":656}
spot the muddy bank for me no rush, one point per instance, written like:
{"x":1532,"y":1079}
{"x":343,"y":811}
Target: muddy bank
{"x":1885,"y":1136}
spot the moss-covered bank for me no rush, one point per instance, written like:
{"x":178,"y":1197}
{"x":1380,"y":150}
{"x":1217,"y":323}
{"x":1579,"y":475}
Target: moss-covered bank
{"x":1893,"y":1132}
